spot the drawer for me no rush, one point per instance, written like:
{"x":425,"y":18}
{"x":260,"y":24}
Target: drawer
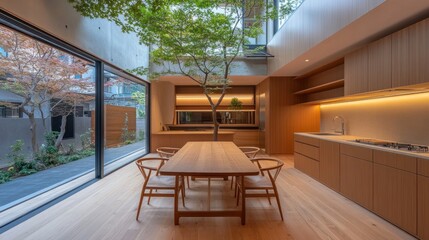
{"x":357,"y":152}
{"x":397,"y":161}
{"x":423,"y":167}
{"x":307,"y":165}
{"x":307,"y":150}
{"x":307,"y":140}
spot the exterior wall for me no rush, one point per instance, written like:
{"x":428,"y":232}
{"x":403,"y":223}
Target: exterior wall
{"x":21,"y":131}
{"x":403,"y":119}
{"x":96,"y":36}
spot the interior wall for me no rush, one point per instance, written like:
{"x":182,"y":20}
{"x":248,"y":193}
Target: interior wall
{"x":163,"y":103}
{"x":96,"y":36}
{"x":402,"y":118}
{"x":283,"y":117}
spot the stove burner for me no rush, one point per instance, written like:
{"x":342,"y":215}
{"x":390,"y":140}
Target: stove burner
{"x":395,"y":145}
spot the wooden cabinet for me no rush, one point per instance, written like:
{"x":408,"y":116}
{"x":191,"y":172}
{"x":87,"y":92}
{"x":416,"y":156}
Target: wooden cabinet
{"x":397,"y":60}
{"x":410,"y":55}
{"x":423,"y":199}
{"x":329,"y":164}
{"x":380,"y":64}
{"x":356,"y":72}
{"x":395,"y":189}
{"x":307,"y":155}
{"x":356,"y":174}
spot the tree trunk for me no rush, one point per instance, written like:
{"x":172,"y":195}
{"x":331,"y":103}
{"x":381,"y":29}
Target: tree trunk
{"x":62,"y":131}
{"x":215,"y":124}
{"x":33,"y":130}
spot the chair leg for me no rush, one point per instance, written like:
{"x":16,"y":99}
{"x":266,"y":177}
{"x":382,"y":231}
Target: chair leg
{"x":150,"y":195}
{"x":268,"y":196}
{"x":236,"y":188}
{"x":238,"y":192}
{"x":140,"y":202}
{"x":187,"y":180}
{"x":183,"y":195}
{"x":278,"y":201}
{"x":183,"y":186}
{"x":232,"y":181}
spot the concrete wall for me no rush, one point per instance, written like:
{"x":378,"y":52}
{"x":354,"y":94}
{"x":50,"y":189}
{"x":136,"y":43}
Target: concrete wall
{"x":97,"y":36}
{"x":13,"y":129}
{"x":403,"y":118}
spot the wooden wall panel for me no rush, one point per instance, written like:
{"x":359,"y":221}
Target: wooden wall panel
{"x":246,"y":137}
{"x":284,"y":117}
{"x":419,"y":52}
{"x":115,"y":121}
{"x":179,"y":138}
{"x":380,"y":64}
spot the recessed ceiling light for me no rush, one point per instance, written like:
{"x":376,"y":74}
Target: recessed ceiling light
{"x":307,"y":60}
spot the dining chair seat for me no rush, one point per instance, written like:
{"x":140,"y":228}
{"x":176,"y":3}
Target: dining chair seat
{"x":257,"y":182}
{"x":160,"y":182}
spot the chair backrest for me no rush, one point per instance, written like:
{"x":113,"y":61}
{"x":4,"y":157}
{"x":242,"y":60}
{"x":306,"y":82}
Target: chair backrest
{"x":147,"y":165}
{"x":269,"y":165}
{"x":167,"y":152}
{"x":250,"y":151}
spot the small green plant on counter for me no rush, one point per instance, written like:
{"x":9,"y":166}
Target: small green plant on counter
{"x":235,"y":104}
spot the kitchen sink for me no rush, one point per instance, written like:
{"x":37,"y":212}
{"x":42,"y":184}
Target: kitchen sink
{"x":325,"y":134}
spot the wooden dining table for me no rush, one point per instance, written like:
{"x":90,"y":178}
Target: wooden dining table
{"x":209,"y":159}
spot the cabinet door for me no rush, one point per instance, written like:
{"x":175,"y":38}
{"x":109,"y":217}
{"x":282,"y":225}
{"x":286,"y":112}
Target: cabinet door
{"x":395,"y":196}
{"x":329,"y":164}
{"x":423,"y":207}
{"x":419,"y":52}
{"x":356,"y":72}
{"x":410,"y":55}
{"x":307,"y":165}
{"x":380,"y":64}
{"x":400,"y":58}
{"x":356,"y":180}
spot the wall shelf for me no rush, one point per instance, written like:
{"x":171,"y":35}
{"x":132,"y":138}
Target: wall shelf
{"x":323,"y":87}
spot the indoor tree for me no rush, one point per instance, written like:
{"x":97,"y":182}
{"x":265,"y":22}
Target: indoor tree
{"x":195,"y":38}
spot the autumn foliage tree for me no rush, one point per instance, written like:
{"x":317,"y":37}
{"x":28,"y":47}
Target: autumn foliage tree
{"x":44,"y":77}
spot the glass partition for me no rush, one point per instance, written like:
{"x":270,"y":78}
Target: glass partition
{"x":46,"y":105}
{"x":244,"y":117}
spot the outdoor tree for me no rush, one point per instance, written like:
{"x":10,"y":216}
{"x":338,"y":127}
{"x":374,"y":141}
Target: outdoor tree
{"x":197,"y":39}
{"x":44,"y":77}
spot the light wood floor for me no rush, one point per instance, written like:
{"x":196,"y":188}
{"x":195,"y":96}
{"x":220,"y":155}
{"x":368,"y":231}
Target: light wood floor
{"x":106,"y":210}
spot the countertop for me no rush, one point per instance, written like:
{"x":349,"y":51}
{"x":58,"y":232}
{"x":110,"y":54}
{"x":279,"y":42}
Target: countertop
{"x":196,"y":132}
{"x":349,"y":139}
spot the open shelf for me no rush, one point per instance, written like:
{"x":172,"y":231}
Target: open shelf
{"x":323,"y":87}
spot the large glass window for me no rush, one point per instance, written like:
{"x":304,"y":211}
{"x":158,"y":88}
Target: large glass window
{"x":125,"y":115}
{"x":45,"y":140}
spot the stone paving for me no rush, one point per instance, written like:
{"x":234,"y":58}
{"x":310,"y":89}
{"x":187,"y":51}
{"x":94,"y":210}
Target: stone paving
{"x":24,"y":186}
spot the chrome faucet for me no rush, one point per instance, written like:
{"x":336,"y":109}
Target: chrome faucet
{"x":342,"y":124}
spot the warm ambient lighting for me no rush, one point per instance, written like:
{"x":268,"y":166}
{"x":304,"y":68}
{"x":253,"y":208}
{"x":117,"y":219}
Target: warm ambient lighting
{"x":307,"y":60}
{"x":192,"y":99}
{"x":384,"y":101}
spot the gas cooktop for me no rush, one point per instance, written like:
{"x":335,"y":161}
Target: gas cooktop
{"x":394,"y":145}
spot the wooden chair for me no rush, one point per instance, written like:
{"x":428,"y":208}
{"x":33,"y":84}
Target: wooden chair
{"x":270,"y":169}
{"x":250,"y":153}
{"x":149,"y":168}
{"x":168,"y":152}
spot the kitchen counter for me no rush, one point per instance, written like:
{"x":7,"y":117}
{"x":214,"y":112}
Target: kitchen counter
{"x":349,"y":139}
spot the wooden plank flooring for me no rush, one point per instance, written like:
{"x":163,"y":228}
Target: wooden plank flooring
{"x":106,"y":210}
